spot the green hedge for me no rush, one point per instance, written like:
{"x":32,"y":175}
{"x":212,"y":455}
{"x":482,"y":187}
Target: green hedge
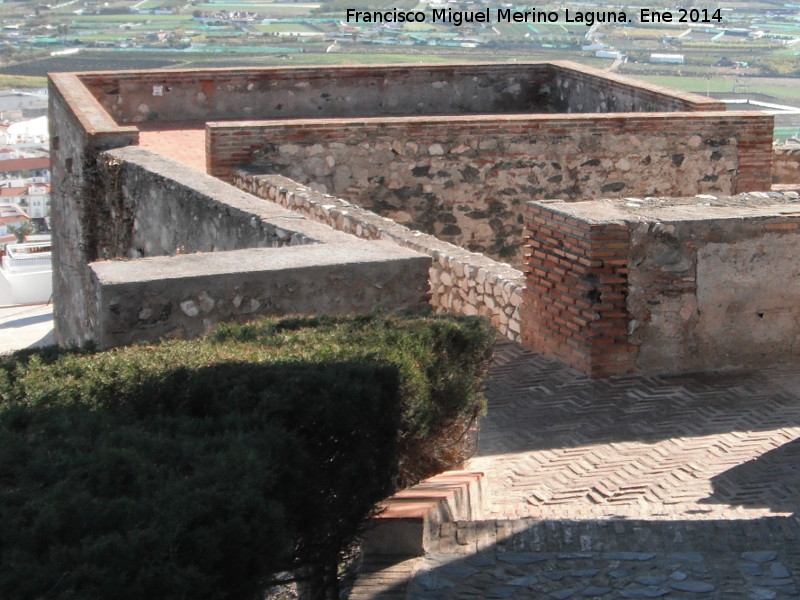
{"x":201,"y":469}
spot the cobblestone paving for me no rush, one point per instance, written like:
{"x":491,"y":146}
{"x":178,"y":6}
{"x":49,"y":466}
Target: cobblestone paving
{"x":529,"y":558}
{"x":660,"y":487}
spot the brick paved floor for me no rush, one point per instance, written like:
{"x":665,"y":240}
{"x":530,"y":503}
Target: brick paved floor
{"x":557,"y":445}
{"x":184,"y":142}
{"x":640,"y":487}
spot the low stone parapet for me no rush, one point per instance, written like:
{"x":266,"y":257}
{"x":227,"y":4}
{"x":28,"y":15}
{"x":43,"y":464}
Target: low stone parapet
{"x":461,"y":282}
{"x":184,"y":296}
{"x":188,"y":251}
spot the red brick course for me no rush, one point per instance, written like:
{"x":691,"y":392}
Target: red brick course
{"x":574,"y":307}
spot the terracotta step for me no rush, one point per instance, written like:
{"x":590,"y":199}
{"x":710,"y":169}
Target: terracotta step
{"x":409,"y":521}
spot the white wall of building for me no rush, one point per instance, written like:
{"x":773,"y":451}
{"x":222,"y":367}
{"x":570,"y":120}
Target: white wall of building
{"x":26,"y":276}
{"x":31,"y":131}
{"x":25,"y":288}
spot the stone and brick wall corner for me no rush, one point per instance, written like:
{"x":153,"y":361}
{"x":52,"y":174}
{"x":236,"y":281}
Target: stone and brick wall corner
{"x":574,"y":303}
{"x":461,"y":282}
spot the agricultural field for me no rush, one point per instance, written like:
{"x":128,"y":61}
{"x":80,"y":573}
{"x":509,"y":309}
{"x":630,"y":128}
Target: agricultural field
{"x":340,"y":6}
{"x":170,"y":33}
{"x":782,"y":89}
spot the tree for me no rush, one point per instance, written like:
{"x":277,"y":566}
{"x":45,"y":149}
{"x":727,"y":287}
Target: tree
{"x":21,"y":230}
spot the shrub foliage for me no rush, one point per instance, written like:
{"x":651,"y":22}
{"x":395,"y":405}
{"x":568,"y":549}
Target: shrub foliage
{"x":201,"y":469}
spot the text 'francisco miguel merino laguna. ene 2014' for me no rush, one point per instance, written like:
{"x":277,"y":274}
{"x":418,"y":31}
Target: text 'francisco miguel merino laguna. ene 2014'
{"x":509,"y":15}
{"x":501,"y":15}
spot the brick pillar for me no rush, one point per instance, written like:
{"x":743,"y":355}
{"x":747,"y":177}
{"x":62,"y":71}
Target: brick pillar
{"x":574,"y":303}
{"x":754,"y":172}
{"x":229,"y":146}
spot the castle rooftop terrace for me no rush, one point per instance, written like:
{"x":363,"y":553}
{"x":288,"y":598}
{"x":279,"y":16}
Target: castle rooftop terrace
{"x":439,"y":159}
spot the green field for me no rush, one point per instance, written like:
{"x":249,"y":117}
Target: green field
{"x":100,"y":37}
{"x":784,"y":133}
{"x":692,"y":84}
{"x":152,"y":5}
{"x":251,"y":7}
{"x":340,"y":6}
{"x":131,"y":18}
{"x":783,"y":89}
{"x":18,"y":82}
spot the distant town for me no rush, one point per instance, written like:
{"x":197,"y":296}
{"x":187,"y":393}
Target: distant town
{"x":24,"y":198}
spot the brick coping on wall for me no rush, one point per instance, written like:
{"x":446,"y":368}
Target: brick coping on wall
{"x":87,"y":109}
{"x":408,"y":522}
{"x":480,"y":120}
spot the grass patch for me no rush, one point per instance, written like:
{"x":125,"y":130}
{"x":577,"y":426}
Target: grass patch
{"x":781,"y":90}
{"x":692,"y":84}
{"x":340,"y":6}
{"x":20,"y":81}
{"x":154,"y":20}
{"x":286,"y":27}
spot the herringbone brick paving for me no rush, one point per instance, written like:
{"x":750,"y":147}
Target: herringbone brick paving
{"x":557,"y":445}
{"x":640,"y":487}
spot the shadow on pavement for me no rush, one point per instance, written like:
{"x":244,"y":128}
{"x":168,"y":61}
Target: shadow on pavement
{"x":715,"y":559}
{"x":536,"y":404}
{"x":770,"y":481}
{"x":26,"y":321}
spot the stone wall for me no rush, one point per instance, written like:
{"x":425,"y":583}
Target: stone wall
{"x":466,"y":179}
{"x":664,"y":285}
{"x":79,"y":130}
{"x":579,"y":89}
{"x":355,"y":91}
{"x":461,"y":282}
{"x":156,"y":207}
{"x":183,"y":296}
{"x":786,"y":165}
{"x":213,"y":253}
{"x":115,"y":205}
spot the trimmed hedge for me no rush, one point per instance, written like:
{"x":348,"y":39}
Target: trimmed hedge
{"x":201,"y":469}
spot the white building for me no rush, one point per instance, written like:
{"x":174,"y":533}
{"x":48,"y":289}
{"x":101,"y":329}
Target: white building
{"x":11,"y":218}
{"x":30,"y":131}
{"x":33,"y":198}
{"x":669,"y":59}
{"x":26,"y":274}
